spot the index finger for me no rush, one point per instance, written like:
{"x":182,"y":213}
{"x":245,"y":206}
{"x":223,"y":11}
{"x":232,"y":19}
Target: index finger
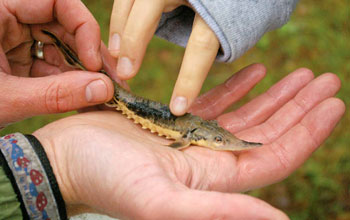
{"x":200,"y":54}
{"x":212,"y":103}
{"x":72,"y":15}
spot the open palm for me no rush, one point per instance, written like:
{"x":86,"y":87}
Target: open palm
{"x":105,"y":162}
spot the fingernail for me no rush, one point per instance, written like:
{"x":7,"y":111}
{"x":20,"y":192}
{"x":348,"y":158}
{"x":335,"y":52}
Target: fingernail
{"x":179,"y":105}
{"x":96,"y":91}
{"x":125,"y":67}
{"x":114,"y":44}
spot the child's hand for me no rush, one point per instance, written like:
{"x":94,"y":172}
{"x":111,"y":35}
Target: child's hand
{"x":133,"y":23}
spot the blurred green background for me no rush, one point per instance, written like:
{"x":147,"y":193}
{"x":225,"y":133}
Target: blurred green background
{"x":317,"y":37}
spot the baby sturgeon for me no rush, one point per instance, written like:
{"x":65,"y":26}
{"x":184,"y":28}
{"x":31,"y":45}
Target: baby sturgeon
{"x":185,"y":130}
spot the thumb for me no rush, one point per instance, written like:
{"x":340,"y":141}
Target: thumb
{"x":25,"y":97}
{"x":195,"y":204}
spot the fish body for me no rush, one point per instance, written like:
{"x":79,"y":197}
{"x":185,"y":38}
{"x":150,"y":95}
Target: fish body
{"x":185,"y":130}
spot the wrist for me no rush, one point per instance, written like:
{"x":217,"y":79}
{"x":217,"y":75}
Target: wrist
{"x":57,"y":154}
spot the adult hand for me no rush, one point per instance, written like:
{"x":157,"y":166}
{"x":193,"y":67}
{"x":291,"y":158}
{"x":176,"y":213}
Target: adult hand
{"x":21,"y":22}
{"x":129,"y":39}
{"x":105,"y":163}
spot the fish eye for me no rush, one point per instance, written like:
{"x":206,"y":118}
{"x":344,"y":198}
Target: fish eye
{"x":218,"y":139}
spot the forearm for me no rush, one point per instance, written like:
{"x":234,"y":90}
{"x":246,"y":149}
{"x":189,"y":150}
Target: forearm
{"x":237,"y":24}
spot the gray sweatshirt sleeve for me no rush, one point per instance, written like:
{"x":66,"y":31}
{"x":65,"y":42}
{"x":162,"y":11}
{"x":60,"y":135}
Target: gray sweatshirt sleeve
{"x":238,"y":24}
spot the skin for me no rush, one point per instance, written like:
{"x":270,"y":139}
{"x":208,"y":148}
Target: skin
{"x":143,"y":179}
{"x":129,"y":39}
{"x":185,"y":130}
{"x":282,"y":116}
{"x":37,"y":86}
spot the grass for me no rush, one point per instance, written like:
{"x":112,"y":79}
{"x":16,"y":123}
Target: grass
{"x":317,"y":37}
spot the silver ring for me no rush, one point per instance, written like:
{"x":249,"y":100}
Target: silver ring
{"x":38,"y":49}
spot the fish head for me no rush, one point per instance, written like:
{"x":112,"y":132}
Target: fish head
{"x":209,"y":134}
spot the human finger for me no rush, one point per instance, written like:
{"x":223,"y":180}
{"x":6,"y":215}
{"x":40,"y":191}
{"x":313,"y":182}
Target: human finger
{"x":189,"y":204}
{"x":119,"y":17}
{"x":20,"y":59}
{"x":57,"y":29}
{"x":51,"y":94}
{"x":4,"y":64}
{"x":136,"y":36}
{"x":275,"y":161}
{"x":319,"y":89}
{"x":200,"y":54}
{"x":109,"y":66}
{"x":211,"y":104}
{"x":41,"y":68}
{"x":53,"y":56}
{"x":263,"y":106}
{"x":84,"y":27}
{"x":52,"y":64}
{"x":22,"y":62}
